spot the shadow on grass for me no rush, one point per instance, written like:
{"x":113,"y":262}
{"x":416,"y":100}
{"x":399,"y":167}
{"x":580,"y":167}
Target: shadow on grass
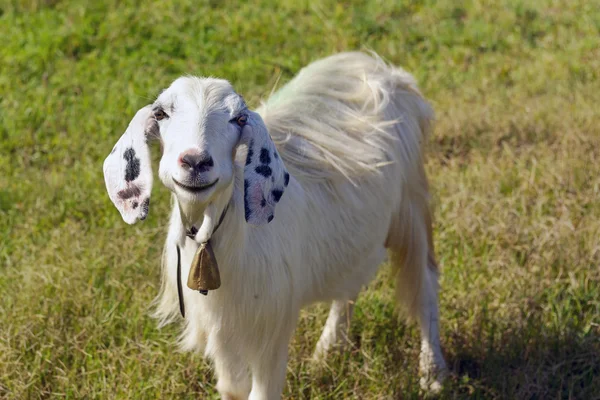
{"x":525,"y":362}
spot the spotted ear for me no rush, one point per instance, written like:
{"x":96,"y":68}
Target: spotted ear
{"x":265,"y":176}
{"x":127,"y":169}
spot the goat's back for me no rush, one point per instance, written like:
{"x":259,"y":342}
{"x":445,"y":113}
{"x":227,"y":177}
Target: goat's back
{"x":345,"y":116}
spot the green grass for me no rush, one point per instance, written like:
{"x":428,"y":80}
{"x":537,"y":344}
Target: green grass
{"x":514,"y":166}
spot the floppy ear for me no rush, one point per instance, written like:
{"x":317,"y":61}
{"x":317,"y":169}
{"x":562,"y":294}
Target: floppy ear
{"x":265,"y":176}
{"x":127,"y":170}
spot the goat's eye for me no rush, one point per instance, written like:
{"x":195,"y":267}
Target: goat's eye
{"x":241,"y":120}
{"x":160,"y":115}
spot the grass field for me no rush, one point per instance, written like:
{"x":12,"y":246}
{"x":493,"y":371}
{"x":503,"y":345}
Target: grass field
{"x":514,"y":164}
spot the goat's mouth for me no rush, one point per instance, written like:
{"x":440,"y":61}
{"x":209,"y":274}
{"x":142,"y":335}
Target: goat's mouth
{"x":196,"y":189}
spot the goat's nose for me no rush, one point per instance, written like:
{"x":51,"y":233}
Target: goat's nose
{"x":193,"y":160}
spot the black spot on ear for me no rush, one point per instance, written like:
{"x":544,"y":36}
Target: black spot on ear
{"x":135,"y":205}
{"x":270,"y":219}
{"x":286,"y":179}
{"x":276,"y":194}
{"x":132,"y":169}
{"x":145,"y":208}
{"x":264,"y":170}
{"x":263,"y":203}
{"x":265,"y":158}
{"x":275,"y":155}
{"x":246,"y":208}
{"x":131,"y":191}
{"x":250,"y":152}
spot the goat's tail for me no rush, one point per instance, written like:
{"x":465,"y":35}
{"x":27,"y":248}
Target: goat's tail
{"x":412,"y":256}
{"x":410,"y":238}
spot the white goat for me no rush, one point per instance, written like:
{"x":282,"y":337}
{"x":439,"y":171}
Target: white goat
{"x":350,"y":130}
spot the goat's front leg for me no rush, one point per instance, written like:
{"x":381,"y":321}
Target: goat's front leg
{"x":335,"y":333}
{"x":233,"y":377}
{"x":269,"y":369}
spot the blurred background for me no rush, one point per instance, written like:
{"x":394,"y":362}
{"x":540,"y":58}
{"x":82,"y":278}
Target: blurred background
{"x":513,"y":163}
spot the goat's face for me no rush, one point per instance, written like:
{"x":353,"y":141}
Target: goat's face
{"x":199,"y":123}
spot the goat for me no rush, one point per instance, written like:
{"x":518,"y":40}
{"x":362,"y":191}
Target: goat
{"x":315,"y":188}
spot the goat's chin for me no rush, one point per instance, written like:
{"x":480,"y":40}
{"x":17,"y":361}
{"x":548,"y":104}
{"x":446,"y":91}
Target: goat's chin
{"x":195,"y":198}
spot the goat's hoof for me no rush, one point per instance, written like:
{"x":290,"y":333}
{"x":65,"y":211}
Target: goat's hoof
{"x":320,"y":355}
{"x":325,"y":347}
{"x":432,"y":382}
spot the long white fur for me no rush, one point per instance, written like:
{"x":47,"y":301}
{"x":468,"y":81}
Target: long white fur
{"x":350,"y":129}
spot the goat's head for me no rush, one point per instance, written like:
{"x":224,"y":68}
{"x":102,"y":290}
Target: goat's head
{"x":200,"y":122}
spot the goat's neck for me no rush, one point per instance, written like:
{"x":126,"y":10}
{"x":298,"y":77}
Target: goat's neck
{"x":204,"y":217}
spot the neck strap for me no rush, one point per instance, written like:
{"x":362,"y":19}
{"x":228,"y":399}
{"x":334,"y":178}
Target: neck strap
{"x":191,"y":233}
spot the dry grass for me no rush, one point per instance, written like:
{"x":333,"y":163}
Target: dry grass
{"x":513,"y":165}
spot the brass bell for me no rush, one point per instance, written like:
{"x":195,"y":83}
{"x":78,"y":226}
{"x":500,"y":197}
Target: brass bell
{"x":204,"y":271}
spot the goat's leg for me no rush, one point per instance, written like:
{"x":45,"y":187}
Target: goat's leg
{"x":269,"y":369}
{"x":422,"y":290}
{"x":432,"y":365}
{"x":335,"y":333}
{"x":336,"y":330}
{"x":233,"y":376}
{"x":413,"y":260}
